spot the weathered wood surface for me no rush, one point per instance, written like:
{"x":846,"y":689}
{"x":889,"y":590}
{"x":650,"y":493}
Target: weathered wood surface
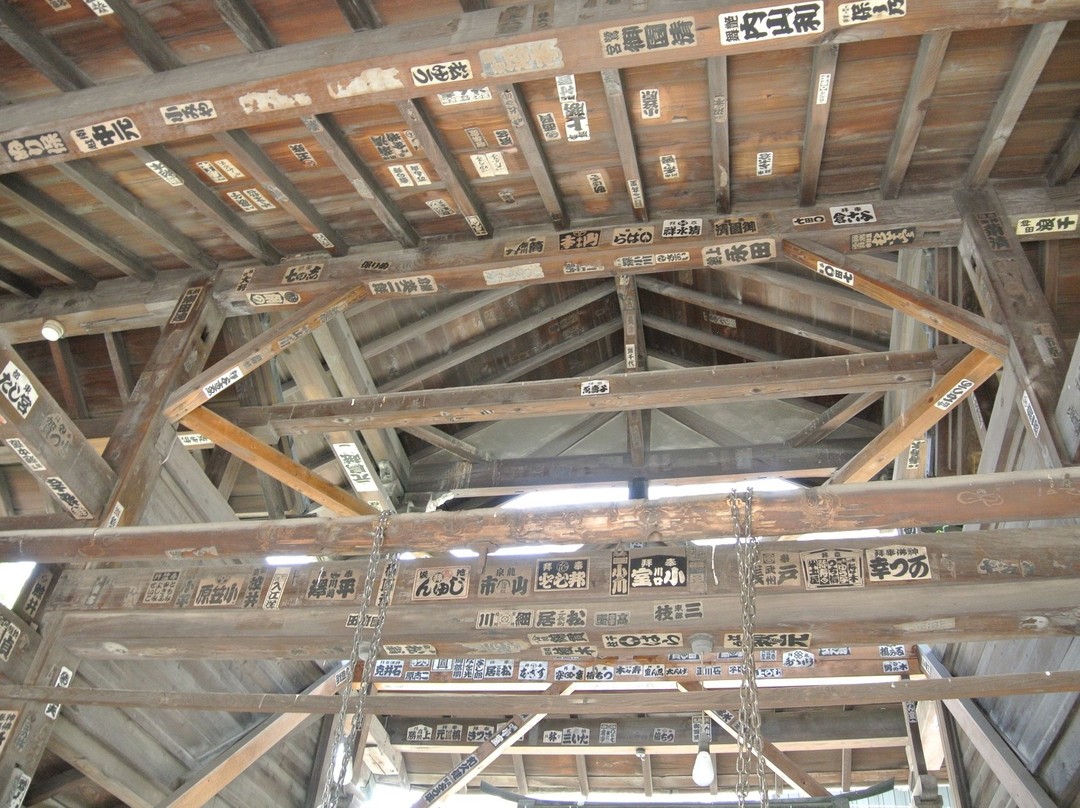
{"x":584,"y":704}
{"x":650,"y":389}
{"x":577,"y":48}
{"x":1006,"y":497}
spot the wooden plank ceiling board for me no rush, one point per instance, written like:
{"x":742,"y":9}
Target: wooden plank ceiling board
{"x":317,"y":261}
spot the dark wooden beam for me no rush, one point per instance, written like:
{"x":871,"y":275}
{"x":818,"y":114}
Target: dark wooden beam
{"x":27,"y":196}
{"x":53,"y":450}
{"x":43,"y":258}
{"x":822,"y":78}
{"x":1067,"y":158}
{"x":924,"y":78}
{"x":635,"y":360}
{"x":121,"y":364}
{"x":439,"y":438}
{"x":183,"y":347}
{"x":446,"y":166}
{"x":831,"y":419}
{"x":360,"y":14}
{"x":624,"y":141}
{"x":68,"y":376}
{"x":247,"y":24}
{"x":528,"y":142}
{"x":791,"y":378}
{"x":1009,"y":293}
{"x":18,"y":285}
{"x":203,"y":199}
{"x":710,"y":340}
{"x":1040,"y":43}
{"x":718,"y":131}
{"x":256,"y":163}
{"x":123,"y":203}
{"x":335,"y":142}
{"x":40,"y":51}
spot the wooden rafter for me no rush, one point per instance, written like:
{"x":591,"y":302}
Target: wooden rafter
{"x":834,"y":417}
{"x":40,"y":51}
{"x":635,"y":360}
{"x":1033,"y":56}
{"x":969,"y":499}
{"x":513,"y":475}
{"x":43,"y":258}
{"x":924,"y":78}
{"x":223,"y":81}
{"x":822,"y":77}
{"x":755,"y":380}
{"x":624,"y":141}
{"x":517,"y":111}
{"x":718,"y":131}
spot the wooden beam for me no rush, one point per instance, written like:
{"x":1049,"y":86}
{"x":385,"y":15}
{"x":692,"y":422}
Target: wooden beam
{"x":792,"y":773}
{"x":635,"y":360}
{"x":780,"y":321}
{"x":123,"y":203}
{"x":1006,"y":767}
{"x":446,"y":166}
{"x":27,"y":196}
{"x":53,"y":449}
{"x":274,"y":463}
{"x":863,"y":277}
{"x":517,"y":475}
{"x":831,"y":419}
{"x":932,"y":47}
{"x":822,"y":80}
{"x":722,"y":344}
{"x":307,"y":68}
{"x":328,"y":134}
{"x":585,"y":704}
{"x":1009,"y":293}
{"x":528,"y":142}
{"x":582,"y":775}
{"x":43,"y":258}
{"x":207,"y":202}
{"x":39,"y":50}
{"x":132,"y":451}
{"x":1067,"y":158}
{"x":1039,"y":44}
{"x":259,"y":351}
{"x":256,"y":163}
{"x":496,"y":337}
{"x":624,"y":141}
{"x":141,"y":37}
{"x":520,"y":775}
{"x":121,"y":364}
{"x":487,"y":752}
{"x":646,"y":775}
{"x":380,"y":755}
{"x":359,"y":14}
{"x":716,"y":67}
{"x":952,"y":387}
{"x":204,"y":784}
{"x":557,"y":351}
{"x":353,"y":378}
{"x":68,"y":376}
{"x":440,"y":439}
{"x":259,"y":387}
{"x":793,"y":378}
{"x":18,"y":285}
{"x":969,"y":499}
{"x":246,"y":23}
{"x":43,"y":790}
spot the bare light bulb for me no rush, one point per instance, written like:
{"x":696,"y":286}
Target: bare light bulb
{"x":704,"y":771}
{"x":52,"y":330}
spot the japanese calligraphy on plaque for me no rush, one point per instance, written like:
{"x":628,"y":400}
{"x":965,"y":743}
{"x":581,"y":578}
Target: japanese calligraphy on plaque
{"x":659,"y":35}
{"x":7,"y":723}
{"x":222,"y":590}
{"x":897,"y":563}
{"x":657,"y":571}
{"x":17,"y":389}
{"x":445,"y":583}
{"x":620,"y":573}
{"x":620,"y":641}
{"x":33,"y":146}
{"x":832,"y":569}
{"x":562,"y":574}
{"x":774,"y":22}
{"x":777,"y":569}
{"x":162,"y":587}
{"x":504,"y":582}
{"x":332,"y":585}
{"x":871,"y":11}
{"x":105,"y":134}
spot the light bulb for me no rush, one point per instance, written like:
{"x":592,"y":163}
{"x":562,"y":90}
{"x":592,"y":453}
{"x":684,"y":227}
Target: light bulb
{"x":52,"y":330}
{"x":704,"y":772}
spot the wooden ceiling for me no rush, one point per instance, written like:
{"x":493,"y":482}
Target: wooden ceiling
{"x":316,"y":261}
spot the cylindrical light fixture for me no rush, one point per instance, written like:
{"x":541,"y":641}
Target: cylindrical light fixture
{"x":52,"y":330}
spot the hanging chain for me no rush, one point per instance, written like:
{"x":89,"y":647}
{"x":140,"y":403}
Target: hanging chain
{"x":746,"y":550}
{"x":344,"y":744}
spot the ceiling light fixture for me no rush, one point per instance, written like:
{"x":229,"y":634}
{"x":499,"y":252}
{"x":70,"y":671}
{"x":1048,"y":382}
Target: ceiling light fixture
{"x":52,"y":330}
{"x":704,"y":769}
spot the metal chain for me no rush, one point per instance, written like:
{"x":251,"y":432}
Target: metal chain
{"x":746,"y":550}
{"x":335,"y":767}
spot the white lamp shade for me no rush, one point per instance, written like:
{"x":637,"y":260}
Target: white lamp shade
{"x":52,"y":330}
{"x":704,"y":771}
